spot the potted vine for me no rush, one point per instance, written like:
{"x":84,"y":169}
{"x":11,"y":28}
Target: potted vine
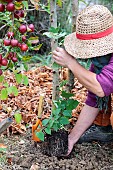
{"x":54,"y":130}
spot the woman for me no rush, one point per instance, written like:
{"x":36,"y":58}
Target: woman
{"x":93,"y":39}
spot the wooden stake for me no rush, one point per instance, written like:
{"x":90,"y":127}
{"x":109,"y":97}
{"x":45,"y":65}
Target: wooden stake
{"x":40,"y":107}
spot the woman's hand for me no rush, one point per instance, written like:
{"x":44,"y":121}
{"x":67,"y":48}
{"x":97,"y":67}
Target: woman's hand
{"x":61,"y":57}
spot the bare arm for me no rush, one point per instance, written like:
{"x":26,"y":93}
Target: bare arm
{"x":85,"y":120}
{"x":85,"y":77}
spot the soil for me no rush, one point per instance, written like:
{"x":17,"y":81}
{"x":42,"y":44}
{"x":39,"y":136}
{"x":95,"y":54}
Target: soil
{"x":55,"y":144}
{"x":23,"y":154}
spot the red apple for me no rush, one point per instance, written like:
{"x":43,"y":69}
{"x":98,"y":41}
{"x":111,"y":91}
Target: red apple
{"x":22,"y":13}
{"x":4,"y":62}
{"x":1,"y":72}
{"x":10,"y":55}
{"x":14,"y":59}
{"x":14,"y":43}
{"x":10,"y":7}
{"x":0,"y":58}
{"x":23,"y":38}
{"x":9,"y":1}
{"x":23,"y":28}
{"x":31,"y":27}
{"x":19,"y":45}
{"x":10,"y":34}
{"x":7,"y":42}
{"x":2,"y":8}
{"x":24,"y":47}
{"x":19,"y":14}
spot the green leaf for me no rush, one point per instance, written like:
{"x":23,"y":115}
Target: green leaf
{"x":10,"y":90}
{"x":60,"y":35}
{"x":45,"y":8}
{"x":18,"y":117}
{"x":45,"y":122}
{"x":55,"y":104}
{"x":63,"y":83}
{"x":48,"y":131}
{"x":25,"y":3}
{"x":1,"y":79}
{"x":33,"y":40}
{"x":40,"y":135}
{"x":6,"y":84}
{"x":19,"y":56}
{"x":25,"y":80}
{"x":56,"y":66}
{"x":56,"y":111}
{"x":56,"y":117}
{"x":49,"y":34}
{"x":59,"y":3}
{"x":56,"y":126}
{"x":51,"y":123}
{"x":36,"y":48}
{"x":54,"y":30}
{"x":4,"y":94}
{"x":3,"y":149}
{"x":64,"y":121}
{"x":66,"y":95}
{"x":55,"y":36}
{"x":72,"y":104}
{"x":15,"y":90}
{"x":25,"y":66}
{"x":67,"y":113}
{"x":26,"y":58}
{"x":18,"y":78}
{"x":10,"y":64}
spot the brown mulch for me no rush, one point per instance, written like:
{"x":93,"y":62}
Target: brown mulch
{"x":26,"y":103}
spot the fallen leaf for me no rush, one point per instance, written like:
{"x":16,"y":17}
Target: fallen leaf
{"x":35,"y":167}
{"x":2,"y":145}
{"x":3,"y":148}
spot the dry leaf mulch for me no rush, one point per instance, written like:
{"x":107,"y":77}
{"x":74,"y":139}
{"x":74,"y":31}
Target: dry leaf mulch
{"x":26,"y":103}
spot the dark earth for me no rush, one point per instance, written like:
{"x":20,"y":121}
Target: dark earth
{"x":55,"y":144}
{"x":22,"y":154}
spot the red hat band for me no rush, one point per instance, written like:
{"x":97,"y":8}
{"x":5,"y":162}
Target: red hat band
{"x":94,"y":36}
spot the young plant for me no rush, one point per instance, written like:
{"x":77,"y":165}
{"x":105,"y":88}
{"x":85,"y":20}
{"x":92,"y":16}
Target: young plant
{"x":60,"y":115}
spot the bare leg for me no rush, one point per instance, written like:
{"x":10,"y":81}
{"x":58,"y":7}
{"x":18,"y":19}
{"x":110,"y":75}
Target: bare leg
{"x":85,"y":120}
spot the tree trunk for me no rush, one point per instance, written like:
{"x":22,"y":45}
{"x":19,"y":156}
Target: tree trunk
{"x":74,"y":16}
{"x":53,"y":20}
{"x":64,"y":16}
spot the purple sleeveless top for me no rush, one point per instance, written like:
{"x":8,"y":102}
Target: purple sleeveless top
{"x":105,"y":78}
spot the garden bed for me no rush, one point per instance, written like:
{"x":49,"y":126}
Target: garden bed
{"x":22,"y":154}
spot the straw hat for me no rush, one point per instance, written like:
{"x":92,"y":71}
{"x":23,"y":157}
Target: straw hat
{"x":94,"y":33}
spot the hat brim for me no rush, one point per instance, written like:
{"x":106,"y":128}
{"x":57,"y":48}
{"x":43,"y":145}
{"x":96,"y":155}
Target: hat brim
{"x":88,"y":48}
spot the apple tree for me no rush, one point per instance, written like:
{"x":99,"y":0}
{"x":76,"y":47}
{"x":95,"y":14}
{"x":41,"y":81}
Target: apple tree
{"x":16,"y":43}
